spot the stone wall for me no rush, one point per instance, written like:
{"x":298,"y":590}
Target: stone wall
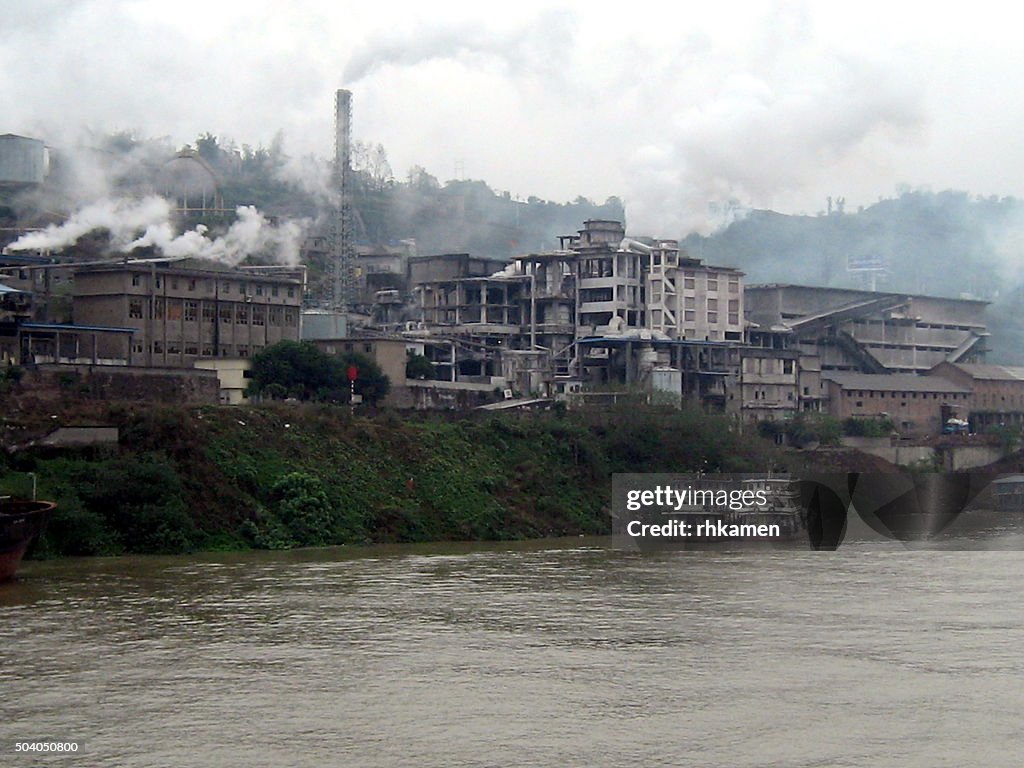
{"x":162,"y":385}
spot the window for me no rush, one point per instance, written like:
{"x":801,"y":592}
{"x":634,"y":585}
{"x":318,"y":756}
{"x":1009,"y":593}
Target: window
{"x":291,"y":317}
{"x":734,"y":286}
{"x":259,"y":315}
{"x":713,"y":304}
{"x":734,"y":305}
{"x":226,"y":287}
{"x":690,"y":302}
{"x":690,"y":316}
{"x":275,"y":316}
{"x":259,"y":289}
{"x":291,"y":291}
{"x":712,"y":317}
{"x":191,"y":285}
{"x":225,"y":313}
{"x":158,"y":348}
{"x":207,"y":351}
{"x":787,"y":366}
{"x":173,"y":349}
{"x":273,"y":291}
{"x":243,"y":350}
{"x":689,"y":282}
{"x":158,"y":282}
{"x":158,"y":309}
{"x":174,"y":283}
{"x":136,"y":280}
{"x":174,"y":310}
{"x":190,"y":350}
{"x":135,"y":309}
{"x":209,"y":313}
{"x":734,"y":319}
{"x":241,"y":314}
{"x":191,"y":311}
{"x":712,"y":284}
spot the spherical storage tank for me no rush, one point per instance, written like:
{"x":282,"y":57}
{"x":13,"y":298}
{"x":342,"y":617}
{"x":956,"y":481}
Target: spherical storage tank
{"x":190,"y":182}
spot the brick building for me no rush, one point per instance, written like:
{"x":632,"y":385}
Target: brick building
{"x":186,"y":313}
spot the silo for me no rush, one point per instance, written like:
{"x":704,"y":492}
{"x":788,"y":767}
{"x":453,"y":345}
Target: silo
{"x":22,"y":160}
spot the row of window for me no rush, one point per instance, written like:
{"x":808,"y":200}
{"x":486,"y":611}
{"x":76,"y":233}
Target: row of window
{"x":760,"y":364}
{"x":690,"y":316}
{"x":690,"y":281}
{"x":191,"y":284}
{"x":234,"y":312}
{"x":204,"y":350}
{"x":907,"y":395}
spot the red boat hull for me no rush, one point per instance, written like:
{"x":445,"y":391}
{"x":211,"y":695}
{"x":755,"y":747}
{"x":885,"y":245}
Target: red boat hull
{"x":20,"y":523}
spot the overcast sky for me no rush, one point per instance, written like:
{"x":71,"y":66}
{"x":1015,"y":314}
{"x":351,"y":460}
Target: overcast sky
{"x":776,"y":105}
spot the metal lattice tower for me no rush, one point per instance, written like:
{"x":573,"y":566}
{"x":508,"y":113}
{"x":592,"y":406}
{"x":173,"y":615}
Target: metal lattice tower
{"x":343,"y":268}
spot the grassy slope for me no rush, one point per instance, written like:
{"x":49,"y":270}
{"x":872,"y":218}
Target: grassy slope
{"x":187,"y":479}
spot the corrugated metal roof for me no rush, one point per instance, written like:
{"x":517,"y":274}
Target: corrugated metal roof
{"x":894,"y":382}
{"x":991,"y":372}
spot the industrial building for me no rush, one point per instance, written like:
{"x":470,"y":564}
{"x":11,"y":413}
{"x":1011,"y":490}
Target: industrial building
{"x":997,"y":393}
{"x":870,"y":332}
{"x":24,"y":161}
{"x":918,"y":406}
{"x":181,"y":314}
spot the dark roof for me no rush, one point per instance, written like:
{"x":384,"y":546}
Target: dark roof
{"x":893,"y":382}
{"x":857,"y":291}
{"x":991,"y":372}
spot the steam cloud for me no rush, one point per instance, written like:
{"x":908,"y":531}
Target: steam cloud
{"x":781,"y":122}
{"x":124,"y":219}
{"x":538,"y":44}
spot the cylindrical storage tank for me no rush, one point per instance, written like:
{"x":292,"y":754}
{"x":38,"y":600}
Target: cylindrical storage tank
{"x":22,"y":160}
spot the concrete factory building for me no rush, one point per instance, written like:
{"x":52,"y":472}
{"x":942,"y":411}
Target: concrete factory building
{"x":182,"y":314}
{"x":918,"y":405}
{"x":870,"y":332}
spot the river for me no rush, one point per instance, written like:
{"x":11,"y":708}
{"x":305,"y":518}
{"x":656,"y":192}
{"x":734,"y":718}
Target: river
{"x":546,"y":653}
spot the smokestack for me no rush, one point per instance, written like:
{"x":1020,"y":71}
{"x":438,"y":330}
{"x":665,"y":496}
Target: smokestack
{"x":343,"y":281}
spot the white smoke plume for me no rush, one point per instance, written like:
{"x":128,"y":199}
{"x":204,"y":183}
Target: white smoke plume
{"x":122,"y":218}
{"x":251,"y":234}
{"x":537,"y":45}
{"x":779,"y":120}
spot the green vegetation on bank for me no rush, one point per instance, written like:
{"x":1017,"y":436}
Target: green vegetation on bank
{"x":280,"y":476}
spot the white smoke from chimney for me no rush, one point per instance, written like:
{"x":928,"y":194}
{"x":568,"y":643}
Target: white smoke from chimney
{"x":250,"y":235}
{"x":122,"y":218}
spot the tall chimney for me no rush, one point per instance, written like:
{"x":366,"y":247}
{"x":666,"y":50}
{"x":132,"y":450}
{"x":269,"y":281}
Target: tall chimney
{"x":343,"y":281}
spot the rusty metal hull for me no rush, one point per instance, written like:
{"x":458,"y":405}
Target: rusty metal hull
{"x":20,"y":523}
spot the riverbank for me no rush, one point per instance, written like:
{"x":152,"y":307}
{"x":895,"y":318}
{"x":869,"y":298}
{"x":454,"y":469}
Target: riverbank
{"x":281,"y":476}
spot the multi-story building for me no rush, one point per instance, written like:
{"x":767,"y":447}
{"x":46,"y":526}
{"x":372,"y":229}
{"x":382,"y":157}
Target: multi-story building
{"x":610,"y":279}
{"x":687,"y":299}
{"x":870,"y":332}
{"x":997,"y":392}
{"x":186,"y":313}
{"x":918,"y":406}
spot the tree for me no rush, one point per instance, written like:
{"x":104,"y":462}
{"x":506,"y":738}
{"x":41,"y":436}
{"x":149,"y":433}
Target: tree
{"x":301,"y":370}
{"x":418,"y":367}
